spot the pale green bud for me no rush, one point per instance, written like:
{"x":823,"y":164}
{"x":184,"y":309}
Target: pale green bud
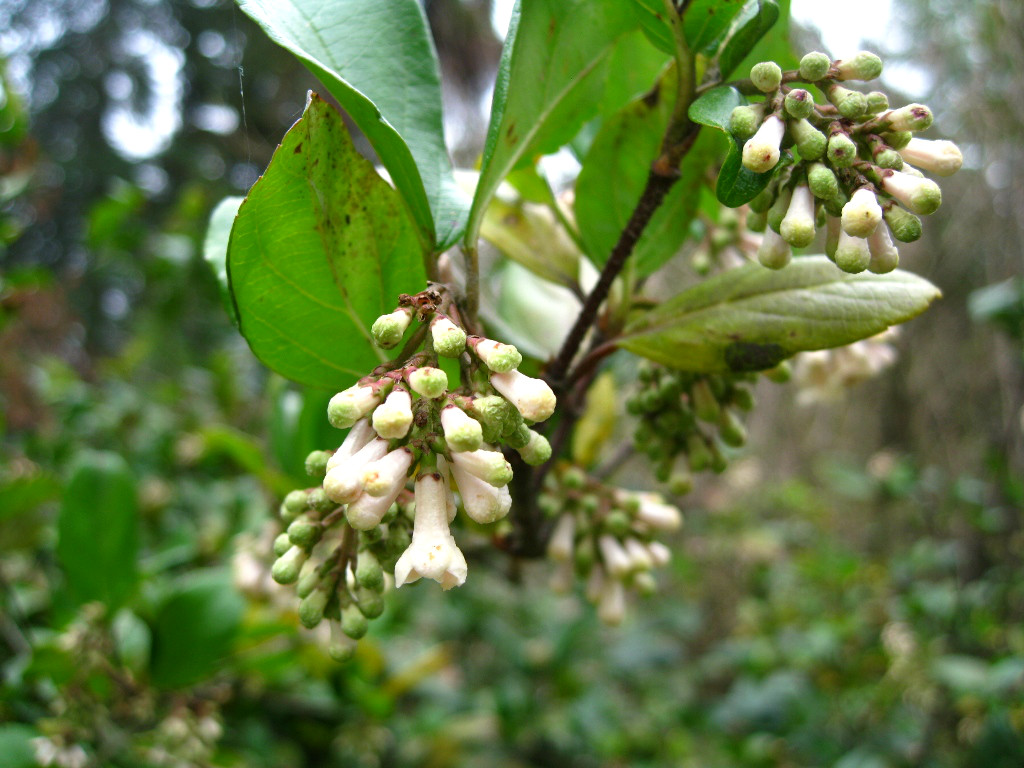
{"x":680,"y":482}
{"x":761,"y":151}
{"x":500,"y":358}
{"x":814,"y":66}
{"x":311,"y":609}
{"x":387,"y":330}
{"x":304,"y":533}
{"x":884,"y":255}
{"x":756,"y":222}
{"x":822,"y":182}
{"x":294,"y":504}
{"x":316,"y":464}
{"x":309,"y":579}
{"x":774,"y":253}
{"x":369,"y":602}
{"x":897,"y":139}
{"x":921,"y":196}
{"x":282,"y":544}
{"x":393,"y":418}
{"x":744,"y":120}
{"x":353,"y":622}
{"x":799,"y":103}
{"x":519,"y":437}
{"x":877,"y":102}
{"x":864,"y":66}
{"x":489,"y":466}
{"x":862,"y":214}
{"x":368,"y":570}
{"x":349,"y":406}
{"x":449,"y":340}
{"x":852,"y":254}
{"x":731,"y":429}
{"x":341,"y":648}
{"x":490,"y":410}
{"x":320,"y":502}
{"x":833,"y":228}
{"x":286,"y":568}
{"x":697,"y":453}
{"x":905,"y":226}
{"x":778,"y":210}
{"x":889,"y":158}
{"x":766,"y":76}
{"x":705,"y":404}
{"x":842,"y":152}
{"x":913,"y":117}
{"x":797,"y":227}
{"x":429,"y":382}
{"x":537,"y":451}
{"x":810,"y":142}
{"x":849,"y":103}
{"x":461,"y":431}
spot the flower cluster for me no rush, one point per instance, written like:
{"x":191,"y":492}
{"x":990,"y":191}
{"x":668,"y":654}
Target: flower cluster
{"x":857,"y":166}
{"x":406,"y":427}
{"x":826,"y":374}
{"x":685,"y":420}
{"x":726,"y":243}
{"x":607,"y":537}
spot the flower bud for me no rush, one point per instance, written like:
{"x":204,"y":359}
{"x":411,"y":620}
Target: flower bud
{"x":368,"y":570}
{"x":560,"y":545}
{"x":887,"y":157}
{"x":295,"y":503}
{"x":766,"y":76}
{"x":921,"y":196}
{"x":489,"y":466}
{"x":814,"y":66}
{"x":849,"y":103}
{"x":905,"y":226}
{"x":616,"y":561}
{"x":756,"y":222}
{"x":611,"y":607}
{"x":309,"y":578}
{"x":392,"y":419}
{"x":449,"y":340}
{"x":744,"y":120}
{"x":316,"y":464}
{"x":533,"y":398}
{"x":537,"y":450}
{"x":799,"y":103}
{"x":304,"y":532}
{"x":282,"y":544}
{"x":353,"y":622}
{"x":638,"y":554}
{"x":387,"y":330}
{"x":842,"y":152}
{"x":356,"y":439}
{"x":884,"y":256}
{"x":311,"y":609}
{"x":320,"y":501}
{"x":797,"y":227}
{"x":499,"y":357}
{"x":349,"y":406}
{"x":341,"y":648}
{"x":864,"y":66}
{"x":877,"y":102}
{"x":461,"y":431}
{"x":778,"y":210}
{"x":852,"y":253}
{"x":344,"y":482}
{"x":822,"y":181}
{"x":810,"y":142}
{"x":656,"y":514}
{"x":774,"y":252}
{"x":731,"y":429}
{"x":428,"y":382}
{"x":913,"y":117}
{"x":483,"y":502}
{"x":381,"y":476}
{"x":897,"y":139}
{"x":939,"y":157}
{"x":286,"y":568}
{"x":862,"y":214}
{"x":660,"y":554}
{"x":370,"y":603}
{"x":761,"y":151}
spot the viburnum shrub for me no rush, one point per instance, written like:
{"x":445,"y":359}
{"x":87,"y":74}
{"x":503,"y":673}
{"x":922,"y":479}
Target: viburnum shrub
{"x":481,"y":330}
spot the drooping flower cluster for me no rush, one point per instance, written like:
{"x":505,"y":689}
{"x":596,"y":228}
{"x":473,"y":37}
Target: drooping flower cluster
{"x":856,"y":168}
{"x":406,"y":427}
{"x":606,"y":537}
{"x":826,"y":374}
{"x":685,"y":419}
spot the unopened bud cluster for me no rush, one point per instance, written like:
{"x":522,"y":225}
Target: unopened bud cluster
{"x":606,"y":537}
{"x":388,"y":494}
{"x":856,"y":168}
{"x":827,"y":374}
{"x":685,"y":420}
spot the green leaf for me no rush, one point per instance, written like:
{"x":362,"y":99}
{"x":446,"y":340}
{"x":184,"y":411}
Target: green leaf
{"x":550,"y":81}
{"x":715,"y":107}
{"x":752,"y":318}
{"x":195,"y":628}
{"x":215,"y":249}
{"x":707,"y":21}
{"x":633,"y":69}
{"x":16,"y":745}
{"x":377,"y":59}
{"x":97,"y":536}
{"x":736,"y":184}
{"x":321,"y":247}
{"x":654,"y":25}
{"x":752,"y":23}
{"x":614,"y":175}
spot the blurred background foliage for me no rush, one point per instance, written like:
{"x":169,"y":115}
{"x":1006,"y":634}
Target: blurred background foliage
{"x":848,"y":594}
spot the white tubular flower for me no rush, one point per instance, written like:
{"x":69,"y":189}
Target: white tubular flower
{"x":761,"y":152}
{"x":884,"y":255}
{"x":489,"y":466}
{"x":356,"y":439}
{"x":461,"y":431}
{"x":345,"y":480}
{"x":638,"y":554}
{"x":611,"y":606}
{"x":660,"y":554}
{"x":861,"y":214}
{"x":444,"y":468}
{"x":482,"y":501}
{"x":380,"y":477}
{"x":797,"y":226}
{"x":500,"y":358}
{"x":913,"y":117}
{"x":560,"y":546}
{"x":393,"y":417}
{"x":433,"y":553}
{"x":774,"y":252}
{"x":350,"y":405}
{"x":616,"y":561}
{"x":655,"y":513}
{"x":940,"y":157}
{"x":533,"y":398}
{"x":920,"y":196}
{"x":366,"y":511}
